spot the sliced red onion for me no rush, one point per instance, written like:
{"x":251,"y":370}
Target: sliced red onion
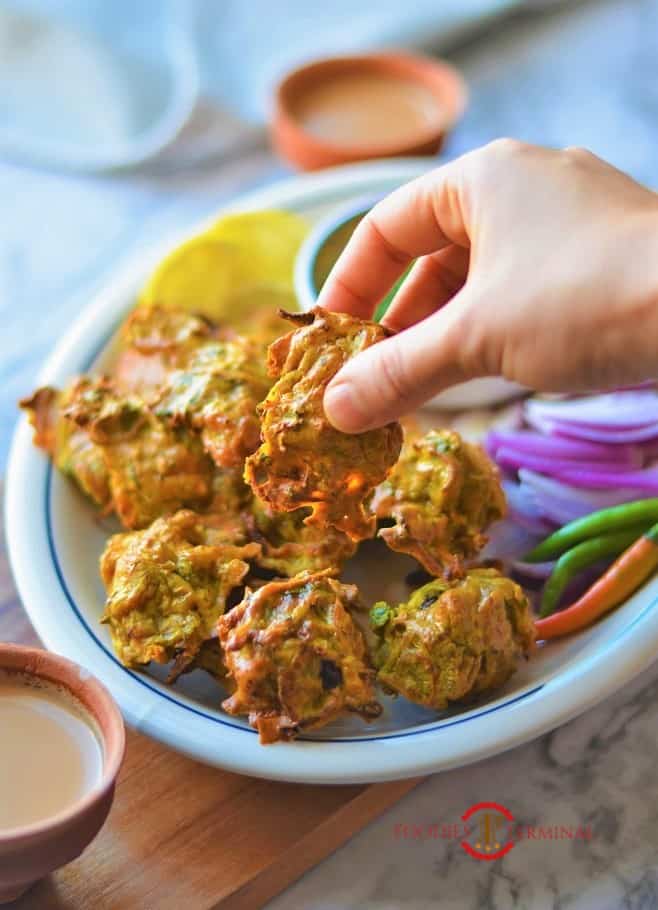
{"x":615,"y":409}
{"x":533,"y":569}
{"x":561,"y":503}
{"x":507,"y":458}
{"x":524,"y":510}
{"x":536,"y":444}
{"x":594,"y":433}
{"x":648,"y":450}
{"x":604,"y":480}
{"x":589,"y":453}
{"x":509,"y":540}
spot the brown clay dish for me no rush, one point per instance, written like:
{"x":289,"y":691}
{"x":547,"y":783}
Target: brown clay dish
{"x":307,"y":150}
{"x":33,"y":851}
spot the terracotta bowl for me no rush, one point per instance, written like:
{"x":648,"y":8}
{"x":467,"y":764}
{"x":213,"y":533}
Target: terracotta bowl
{"x":33,"y":851}
{"x":309,"y":152}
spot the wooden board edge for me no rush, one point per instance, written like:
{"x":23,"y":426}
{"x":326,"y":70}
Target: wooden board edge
{"x":317,"y":844}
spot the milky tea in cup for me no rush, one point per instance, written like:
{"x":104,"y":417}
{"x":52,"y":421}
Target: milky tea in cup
{"x":50,"y":753}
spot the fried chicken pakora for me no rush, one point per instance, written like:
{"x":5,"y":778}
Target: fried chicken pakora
{"x":166,"y":588}
{"x":303,"y":461}
{"x":453,"y":639}
{"x":153,"y":469}
{"x":216,"y":394}
{"x":70,"y":448}
{"x":442,"y":495}
{"x":295,"y":657}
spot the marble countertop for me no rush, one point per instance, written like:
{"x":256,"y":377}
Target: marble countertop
{"x":599,"y":772}
{"x":577,"y":74}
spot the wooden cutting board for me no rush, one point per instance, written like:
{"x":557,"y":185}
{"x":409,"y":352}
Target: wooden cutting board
{"x":182,"y":836}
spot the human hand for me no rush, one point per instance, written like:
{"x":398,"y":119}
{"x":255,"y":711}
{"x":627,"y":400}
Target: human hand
{"x":537,"y":265}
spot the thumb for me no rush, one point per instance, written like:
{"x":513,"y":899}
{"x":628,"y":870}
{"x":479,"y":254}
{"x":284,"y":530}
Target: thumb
{"x":397,"y":375}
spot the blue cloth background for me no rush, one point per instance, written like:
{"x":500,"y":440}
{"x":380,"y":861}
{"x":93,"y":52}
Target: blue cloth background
{"x":88,"y":84}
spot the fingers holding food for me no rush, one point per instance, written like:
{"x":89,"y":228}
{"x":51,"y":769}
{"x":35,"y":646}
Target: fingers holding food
{"x":303,"y":461}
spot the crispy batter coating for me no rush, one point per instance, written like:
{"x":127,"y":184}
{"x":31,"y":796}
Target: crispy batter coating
{"x":216,"y":394}
{"x":154,"y":341}
{"x":442,"y":494}
{"x":69,"y":447}
{"x":153,"y":469}
{"x":453,"y":639}
{"x":167,"y":586}
{"x":296,"y":657}
{"x":209,"y":658}
{"x":289,"y":546}
{"x":303,"y":461}
{"x":231,"y":498}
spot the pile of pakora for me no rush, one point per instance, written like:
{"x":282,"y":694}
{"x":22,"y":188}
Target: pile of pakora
{"x":240,"y":504}
{"x":441,"y":495}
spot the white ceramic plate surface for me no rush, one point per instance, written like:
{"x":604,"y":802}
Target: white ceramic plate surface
{"x":55,"y":540}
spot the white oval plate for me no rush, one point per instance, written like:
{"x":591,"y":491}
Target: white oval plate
{"x":55,"y":540}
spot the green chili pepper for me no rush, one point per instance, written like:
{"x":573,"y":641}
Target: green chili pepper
{"x":581,"y":556}
{"x":605,"y":521}
{"x":627,"y":573}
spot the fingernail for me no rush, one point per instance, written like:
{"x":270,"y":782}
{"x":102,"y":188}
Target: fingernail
{"x":341,"y":408}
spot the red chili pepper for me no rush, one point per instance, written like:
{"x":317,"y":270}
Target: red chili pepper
{"x":623,"y":577}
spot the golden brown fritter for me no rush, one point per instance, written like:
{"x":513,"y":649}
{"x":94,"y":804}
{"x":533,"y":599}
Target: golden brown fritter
{"x":155,"y":341}
{"x":442,"y":494}
{"x":453,"y":639}
{"x":230,"y":499}
{"x":167,"y":586}
{"x":209,"y":658}
{"x":303,"y":461}
{"x":69,"y":447}
{"x":153,"y":469}
{"x":295,"y":656}
{"x":289,"y":546}
{"x":216,"y":394}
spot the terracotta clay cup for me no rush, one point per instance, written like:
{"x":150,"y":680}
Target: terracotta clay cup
{"x":309,"y":152}
{"x":33,"y":851}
